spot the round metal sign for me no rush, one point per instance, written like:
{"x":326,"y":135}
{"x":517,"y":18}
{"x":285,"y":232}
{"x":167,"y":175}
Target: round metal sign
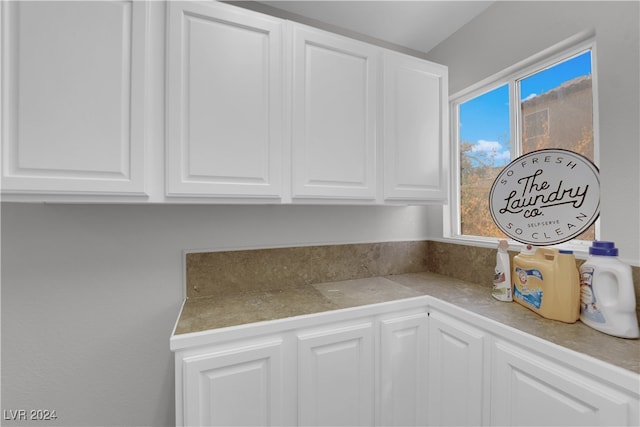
{"x":546,"y":197}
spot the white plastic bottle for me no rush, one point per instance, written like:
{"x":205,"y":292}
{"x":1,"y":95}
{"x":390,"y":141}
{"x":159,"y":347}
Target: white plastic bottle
{"x":607,"y":297}
{"x":502,"y":275}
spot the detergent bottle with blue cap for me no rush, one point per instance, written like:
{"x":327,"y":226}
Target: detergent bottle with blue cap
{"x":608,"y":301}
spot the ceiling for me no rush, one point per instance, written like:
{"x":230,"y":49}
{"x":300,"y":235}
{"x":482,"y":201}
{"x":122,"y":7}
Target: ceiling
{"x":418,"y":25}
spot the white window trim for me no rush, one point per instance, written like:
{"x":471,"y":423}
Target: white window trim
{"x":451,"y":212}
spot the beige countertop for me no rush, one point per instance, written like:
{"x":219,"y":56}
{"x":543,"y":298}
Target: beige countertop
{"x":232,"y":309}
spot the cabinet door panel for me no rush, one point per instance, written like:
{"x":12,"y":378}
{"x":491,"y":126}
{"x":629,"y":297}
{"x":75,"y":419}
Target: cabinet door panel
{"x":335,"y":377}
{"x":334,"y":116}
{"x":415,"y":129}
{"x":456,"y":372}
{"x":235,"y":387}
{"x":225,"y":101}
{"x":74,"y":97}
{"x":403,"y":370}
{"x":530,"y":390}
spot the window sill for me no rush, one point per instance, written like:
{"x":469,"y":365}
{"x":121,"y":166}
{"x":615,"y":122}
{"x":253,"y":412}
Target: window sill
{"x":580,"y":248}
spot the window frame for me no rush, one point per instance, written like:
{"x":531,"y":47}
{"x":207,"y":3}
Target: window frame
{"x":510,"y":76}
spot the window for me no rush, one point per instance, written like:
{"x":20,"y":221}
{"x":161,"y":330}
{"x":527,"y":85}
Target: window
{"x":536,"y":125}
{"x":544,"y":104}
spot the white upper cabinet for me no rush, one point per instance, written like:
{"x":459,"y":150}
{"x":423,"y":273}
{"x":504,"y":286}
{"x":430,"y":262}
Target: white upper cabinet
{"x":415,"y":129}
{"x":225,"y":101}
{"x":73,"y":97}
{"x":207,"y":102}
{"x":333,"y":116}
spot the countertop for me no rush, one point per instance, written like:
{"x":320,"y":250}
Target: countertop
{"x":205,"y":313}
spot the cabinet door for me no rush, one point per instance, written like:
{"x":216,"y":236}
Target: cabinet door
{"x":528,"y":389}
{"x":415,"y":129}
{"x":334,"y":116}
{"x":335,"y":376}
{"x":224,"y":105}
{"x":73,"y":97}
{"x":234,"y":387}
{"x":456,"y":372}
{"x":403,"y":370}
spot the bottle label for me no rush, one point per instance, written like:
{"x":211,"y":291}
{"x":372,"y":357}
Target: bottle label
{"x":521,"y":290}
{"x":588,"y":301}
{"x":503,"y":294}
{"x":501,"y":287}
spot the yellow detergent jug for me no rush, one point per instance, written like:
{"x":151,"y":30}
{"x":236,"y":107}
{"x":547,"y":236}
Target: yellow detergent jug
{"x":546,"y":280}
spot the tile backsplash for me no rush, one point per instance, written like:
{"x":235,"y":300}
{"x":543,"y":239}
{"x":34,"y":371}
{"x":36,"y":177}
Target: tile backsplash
{"x":224,"y":272}
{"x":215,"y":273}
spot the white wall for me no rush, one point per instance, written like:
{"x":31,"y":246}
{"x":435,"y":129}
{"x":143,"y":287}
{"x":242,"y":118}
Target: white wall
{"x":511,"y":31}
{"x":90,"y":294}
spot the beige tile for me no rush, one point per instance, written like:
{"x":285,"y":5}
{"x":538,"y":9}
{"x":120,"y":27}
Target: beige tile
{"x":201,"y":314}
{"x":352,"y":293}
{"x":217,"y":273}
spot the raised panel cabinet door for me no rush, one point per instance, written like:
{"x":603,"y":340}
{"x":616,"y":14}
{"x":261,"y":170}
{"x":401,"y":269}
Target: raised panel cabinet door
{"x":528,"y":389}
{"x":335,"y":376}
{"x":225,"y":111}
{"x":73,"y":97}
{"x":333,"y":116}
{"x":234,"y":387}
{"x":415,"y":129}
{"x":403,"y":370}
{"x":456,"y":372}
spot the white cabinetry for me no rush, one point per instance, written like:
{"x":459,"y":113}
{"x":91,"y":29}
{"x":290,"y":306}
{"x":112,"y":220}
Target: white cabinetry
{"x":403,"y":370}
{"x":532,"y":389}
{"x":333,"y":115}
{"x":238,"y":385}
{"x":357,"y":367}
{"x":456,"y":372}
{"x":335,"y":376}
{"x":225,"y":102}
{"x":417,"y":362}
{"x":415,"y":129}
{"x":484,"y":373}
{"x":206,"y":102}
{"x":74,"y":97}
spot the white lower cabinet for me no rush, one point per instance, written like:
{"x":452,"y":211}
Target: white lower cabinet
{"x":457,"y":372}
{"x":531,"y":389}
{"x":356,"y":367}
{"x":413,"y":362}
{"x":335,"y":376}
{"x":239,"y":385}
{"x":402,"y":390}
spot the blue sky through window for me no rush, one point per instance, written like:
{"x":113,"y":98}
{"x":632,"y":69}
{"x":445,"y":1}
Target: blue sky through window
{"x":484,"y":120}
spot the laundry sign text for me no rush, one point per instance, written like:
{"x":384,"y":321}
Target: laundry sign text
{"x":546,"y":197}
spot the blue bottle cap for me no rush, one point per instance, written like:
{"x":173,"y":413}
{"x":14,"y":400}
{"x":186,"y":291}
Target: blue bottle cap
{"x":603,"y":248}
{"x":565,"y":251}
